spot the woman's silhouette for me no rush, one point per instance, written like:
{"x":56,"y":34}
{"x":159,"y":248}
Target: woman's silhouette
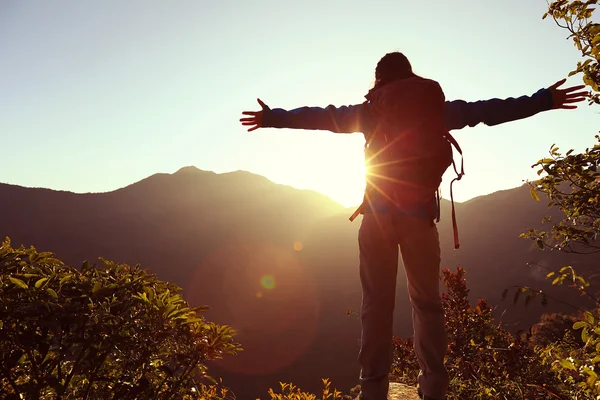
{"x":392,"y":221}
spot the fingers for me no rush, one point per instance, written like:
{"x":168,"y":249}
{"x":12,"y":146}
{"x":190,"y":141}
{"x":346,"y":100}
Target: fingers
{"x":573,"y":100}
{"x":578,"y":94}
{"x":255,"y":119}
{"x":566,"y":107}
{"x":573,"y":88}
{"x":559,"y":83}
{"x":251,"y":122}
{"x":252,"y":125}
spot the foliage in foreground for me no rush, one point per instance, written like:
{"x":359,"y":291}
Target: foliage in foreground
{"x":291,"y":392}
{"x":109,"y":332}
{"x":484,"y":360}
{"x":571,"y":181}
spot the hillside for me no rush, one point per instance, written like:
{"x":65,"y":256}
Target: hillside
{"x":277,"y":263}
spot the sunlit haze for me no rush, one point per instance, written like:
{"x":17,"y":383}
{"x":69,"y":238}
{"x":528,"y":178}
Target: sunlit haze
{"x":97,"y":95}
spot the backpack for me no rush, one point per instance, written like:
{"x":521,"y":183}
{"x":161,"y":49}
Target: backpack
{"x":409,"y":149}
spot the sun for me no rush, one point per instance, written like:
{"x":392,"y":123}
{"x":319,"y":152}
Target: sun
{"x":350,"y":188}
{"x":343,"y":183}
{"x":341,"y":176}
{"x":332,"y":165}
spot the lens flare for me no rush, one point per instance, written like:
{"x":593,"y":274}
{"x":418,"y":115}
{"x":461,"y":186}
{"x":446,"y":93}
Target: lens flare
{"x":266,"y":293}
{"x":268,"y":282}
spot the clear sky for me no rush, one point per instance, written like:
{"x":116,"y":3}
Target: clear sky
{"x":96,"y":95}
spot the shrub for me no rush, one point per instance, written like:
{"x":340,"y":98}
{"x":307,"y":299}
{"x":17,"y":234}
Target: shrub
{"x":108,"y":332}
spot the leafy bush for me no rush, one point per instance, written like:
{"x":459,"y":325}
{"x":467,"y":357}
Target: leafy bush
{"x":484,"y":360}
{"x":291,"y":392}
{"x":572,"y":183}
{"x":109,"y":332}
{"x":553,"y":328}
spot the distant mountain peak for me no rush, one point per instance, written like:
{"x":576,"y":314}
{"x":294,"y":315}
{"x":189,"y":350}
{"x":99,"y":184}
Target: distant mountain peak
{"x":195,"y":171}
{"x":190,"y":169}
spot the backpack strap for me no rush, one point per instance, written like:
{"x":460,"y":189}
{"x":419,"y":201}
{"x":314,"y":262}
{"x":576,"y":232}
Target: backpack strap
{"x":360,"y":210}
{"x":438,"y":210}
{"x":459,"y":176}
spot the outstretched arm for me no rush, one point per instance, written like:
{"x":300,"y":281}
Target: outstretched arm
{"x":345,"y":119}
{"x":459,"y":114}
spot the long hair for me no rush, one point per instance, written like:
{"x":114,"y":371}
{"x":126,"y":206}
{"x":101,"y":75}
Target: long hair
{"x":391,"y":67}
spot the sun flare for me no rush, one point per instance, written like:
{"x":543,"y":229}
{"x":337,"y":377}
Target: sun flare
{"x":347,"y":187}
{"x":331,"y":164}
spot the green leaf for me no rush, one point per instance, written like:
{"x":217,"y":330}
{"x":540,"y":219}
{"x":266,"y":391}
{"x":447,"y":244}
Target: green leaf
{"x":585,"y":334}
{"x":49,"y":357}
{"x":579,"y":324}
{"x":40,"y":282}
{"x":590,"y":372}
{"x":18,"y":282}
{"x":52,"y":293}
{"x":149,"y":292}
{"x":564,"y":269}
{"x":97,"y":286}
{"x":556,"y":280}
{"x":567,"y":364}
{"x":534,"y":194}
{"x":589,"y":317}
{"x":21,"y":359}
{"x":65,"y":278}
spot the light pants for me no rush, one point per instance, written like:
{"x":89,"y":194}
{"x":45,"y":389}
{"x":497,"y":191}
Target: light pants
{"x":379,"y":236}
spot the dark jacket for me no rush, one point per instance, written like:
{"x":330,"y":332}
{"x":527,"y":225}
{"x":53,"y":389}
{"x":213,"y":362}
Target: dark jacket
{"x":457,"y":114}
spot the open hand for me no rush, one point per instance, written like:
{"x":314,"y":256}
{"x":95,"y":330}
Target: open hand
{"x":563,"y":98}
{"x":256,"y":117}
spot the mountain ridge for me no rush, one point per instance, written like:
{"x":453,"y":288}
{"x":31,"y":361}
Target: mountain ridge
{"x":219,"y":235}
{"x":195,"y":172}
